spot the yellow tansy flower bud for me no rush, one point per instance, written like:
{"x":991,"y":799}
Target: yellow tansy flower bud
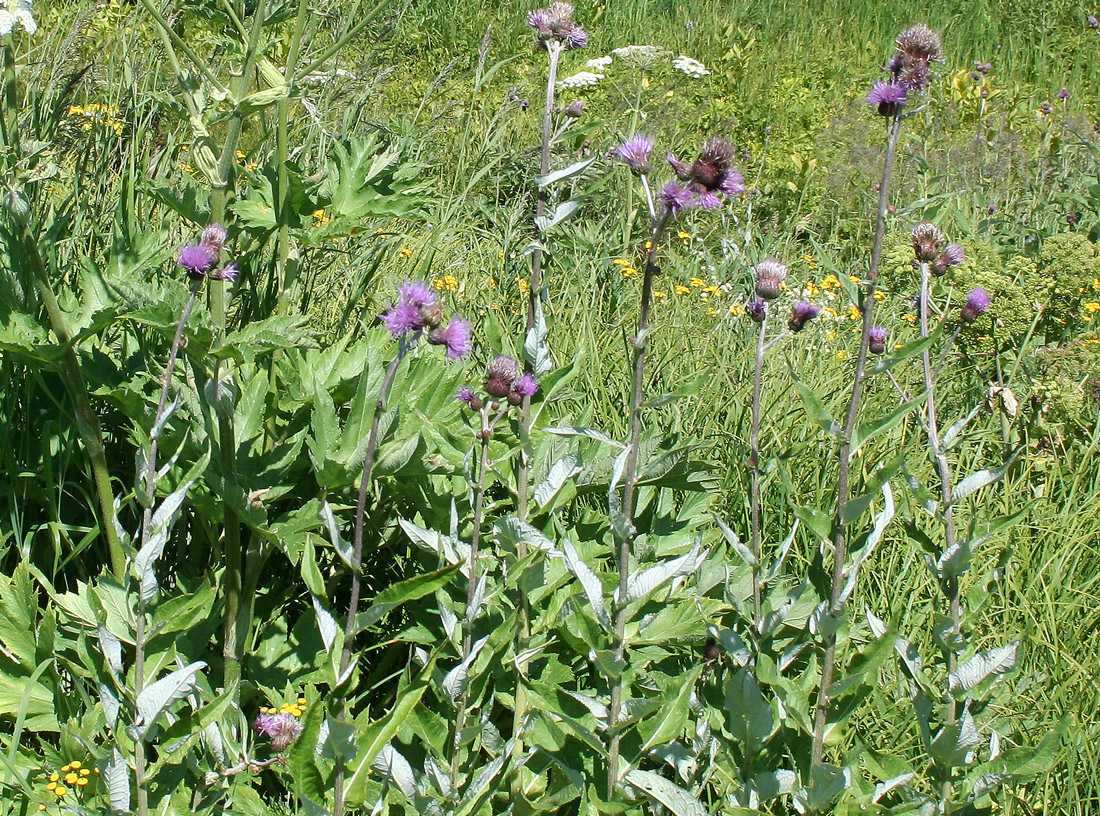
{"x":70,"y":778}
{"x":76,"y":765}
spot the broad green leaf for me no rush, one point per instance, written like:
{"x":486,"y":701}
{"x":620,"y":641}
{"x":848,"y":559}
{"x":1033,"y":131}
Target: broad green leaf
{"x":590,"y":583}
{"x":561,"y":212}
{"x":982,"y":478}
{"x":672,"y":718}
{"x":992,"y":663}
{"x":562,"y":471}
{"x":402,"y":592}
{"x":748,"y":714}
{"x":679,"y":801}
{"x":565,"y":173}
{"x":156,"y":697}
{"x":816,"y":410}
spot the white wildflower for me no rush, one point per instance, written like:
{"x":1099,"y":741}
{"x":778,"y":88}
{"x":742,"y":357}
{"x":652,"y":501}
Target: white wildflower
{"x":644,"y":55}
{"x":599,"y":63}
{"x":581,"y":79}
{"x":16,"y":11}
{"x":692,"y":67}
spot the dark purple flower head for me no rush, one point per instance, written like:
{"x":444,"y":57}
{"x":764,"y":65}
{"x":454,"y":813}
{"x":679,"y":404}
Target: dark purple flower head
{"x":196,"y":260}
{"x":977,"y":301}
{"x":214,"y":235}
{"x":574,"y":109}
{"x":675,"y":197}
{"x":918,"y":47}
{"x":555,"y":24}
{"x":927,"y":241}
{"x":757,"y":310}
{"x":526,"y":386}
{"x":456,"y":337}
{"x":1063,"y":94}
{"x":877,"y":340}
{"x":500,"y":375}
{"x":770,"y":277}
{"x":952,"y":255}
{"x":711,"y":176}
{"x":801,"y":314}
{"x":465,"y":394}
{"x":888,"y":97}
{"x":635,"y":152}
{"x":281,"y":729}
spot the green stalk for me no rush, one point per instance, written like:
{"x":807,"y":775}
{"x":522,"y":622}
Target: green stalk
{"x":380,"y":407}
{"x":840,"y":542}
{"x":754,"y":463}
{"x":630,"y":479}
{"x":87,"y":423}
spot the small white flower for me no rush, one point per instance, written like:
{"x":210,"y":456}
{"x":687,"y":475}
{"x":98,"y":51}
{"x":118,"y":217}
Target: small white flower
{"x":692,"y":67}
{"x":643,"y":55}
{"x":581,"y":79}
{"x":599,"y":63}
{"x":16,"y":11}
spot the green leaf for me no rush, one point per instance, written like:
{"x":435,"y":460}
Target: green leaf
{"x":669,"y":794}
{"x":982,"y":478}
{"x":748,"y":714}
{"x":817,"y":411}
{"x":988,"y":664}
{"x":866,"y":431}
{"x":565,"y":173}
{"x":155,"y":698}
{"x":561,"y":212}
{"x":590,"y":583}
{"x":562,"y":471}
{"x":672,"y":718}
{"x":402,"y":592}
{"x":911,"y":349}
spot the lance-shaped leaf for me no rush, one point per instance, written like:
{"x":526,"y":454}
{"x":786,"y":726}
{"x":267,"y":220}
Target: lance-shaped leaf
{"x":982,"y":667}
{"x":952,"y":433}
{"x":982,"y":478}
{"x":748,"y":714}
{"x":865,"y":432}
{"x":326,"y":623}
{"x":561,"y":212}
{"x":882,"y":520}
{"x":642,"y":584}
{"x":535,"y":349}
{"x":817,"y":411}
{"x":669,"y":794}
{"x":116,"y":775}
{"x":402,"y":592}
{"x":576,"y":430}
{"x":394,"y":768}
{"x":562,"y":471}
{"x":673,"y":716}
{"x":454,"y":684}
{"x":156,"y":697}
{"x":954,"y":742}
{"x":590,"y":583}
{"x":339,"y":543}
{"x":735,"y":542}
{"x":565,"y":173}
{"x":156,"y":537}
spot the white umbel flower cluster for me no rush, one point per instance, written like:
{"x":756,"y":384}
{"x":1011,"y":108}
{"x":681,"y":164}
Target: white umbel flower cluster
{"x":643,"y":55}
{"x":692,"y":67}
{"x":581,"y":79}
{"x":16,"y":11}
{"x":600,"y":63}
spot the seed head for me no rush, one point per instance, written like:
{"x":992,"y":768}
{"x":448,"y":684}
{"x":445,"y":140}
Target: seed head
{"x":503,"y":367}
{"x":919,"y":42}
{"x":770,"y":276}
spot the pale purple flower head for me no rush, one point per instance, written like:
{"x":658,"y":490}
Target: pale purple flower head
{"x":888,"y":97}
{"x":526,"y":386}
{"x":770,"y":276}
{"x":574,"y":109}
{"x":801,"y":314}
{"x":1063,"y":94}
{"x":196,"y":260}
{"x":877,"y":340}
{"x":757,"y":310}
{"x":417,"y":293}
{"x":675,"y":197}
{"x":456,"y":337}
{"x":226,"y":273}
{"x":977,"y":301}
{"x":635,"y":152}
{"x":415,"y":309}
{"x":402,"y":318}
{"x":281,"y":729}
{"x":952,"y":255}
{"x":555,"y":24}
{"x":465,"y":394}
{"x":214,"y":235}
{"x":918,"y":47}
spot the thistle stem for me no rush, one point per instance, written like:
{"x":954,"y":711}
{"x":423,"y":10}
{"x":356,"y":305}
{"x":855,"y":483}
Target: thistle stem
{"x":754,"y":463}
{"x":630,"y":479}
{"x":840,"y":548}
{"x":380,"y":407}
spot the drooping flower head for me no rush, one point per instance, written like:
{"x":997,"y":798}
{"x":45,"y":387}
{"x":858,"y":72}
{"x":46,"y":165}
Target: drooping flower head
{"x":281,"y":729}
{"x":977,"y":301}
{"x":770,"y":276}
{"x":801,"y":314}
{"x":525,"y":386}
{"x":574,"y":109}
{"x":711,"y":174}
{"x":952,"y":255}
{"x":877,"y":340}
{"x":757,"y":310}
{"x":675,"y":197}
{"x":456,"y":337}
{"x":555,"y":24}
{"x":888,"y":97}
{"x":927,"y":241}
{"x":635,"y":152}
{"x":465,"y":394}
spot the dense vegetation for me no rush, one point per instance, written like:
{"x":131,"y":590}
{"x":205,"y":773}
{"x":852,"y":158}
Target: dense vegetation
{"x":771,"y":482}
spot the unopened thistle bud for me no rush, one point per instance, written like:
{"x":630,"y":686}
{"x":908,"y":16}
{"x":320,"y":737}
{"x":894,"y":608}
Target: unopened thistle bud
{"x":757,"y":310}
{"x":770,"y":276}
{"x":574,"y":109}
{"x":927,"y":241}
{"x":877,"y":340}
{"x":977,"y":301}
{"x":431,"y":315}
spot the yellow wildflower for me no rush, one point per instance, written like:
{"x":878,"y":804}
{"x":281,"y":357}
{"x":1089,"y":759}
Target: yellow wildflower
{"x":659,"y":295}
{"x":629,"y":272}
{"x":320,"y":217}
{"x":684,"y":236}
{"x":854,"y":313}
{"x":842,"y":354}
{"x":698,"y":282}
{"x":736,"y":310}
{"x":523,"y":284}
{"x":448,"y":283}
{"x":833,"y":335}
{"x":909,"y":318}
{"x":404,"y":252}
{"x":1093,"y":307}
{"x":649,"y":245}
{"x":830,"y":312}
{"x":880,"y":295}
{"x":54,"y":777}
{"x":76,"y":765}
{"x":70,"y":778}
{"x":82,"y":781}
{"x":855,"y":278}
{"x":85,"y":772}
{"x":812,"y":287}
{"x":621,"y":262}
{"x":680,"y":289}
{"x":830,"y":282}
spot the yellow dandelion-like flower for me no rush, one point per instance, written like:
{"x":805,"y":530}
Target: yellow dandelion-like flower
{"x":842,"y":354}
{"x":404,"y":252}
{"x":320,"y":217}
{"x":524,"y":285}
{"x":855,"y":278}
{"x":82,"y":781}
{"x":680,"y":289}
{"x":1093,"y":307}
{"x":880,"y":295}
{"x":629,"y":272}
{"x":832,"y":335}
{"x":660,"y":295}
{"x":713,"y":290}
{"x":830,"y":282}
{"x":697,"y":282}
{"x":684,"y":236}
{"x":76,"y":765}
{"x":649,"y":245}
{"x":712,"y":312}
{"x":737,"y":310}
{"x":621,"y":262}
{"x":909,"y":318}
{"x":812,"y":288}
{"x":447,"y":283}
{"x":854,"y":313}
{"x":1096,"y":284}
{"x":54,"y":777}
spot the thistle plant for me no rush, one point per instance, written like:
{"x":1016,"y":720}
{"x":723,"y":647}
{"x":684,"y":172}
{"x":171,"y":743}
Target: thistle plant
{"x":909,"y":73}
{"x":415,"y":314}
{"x":705,"y":183}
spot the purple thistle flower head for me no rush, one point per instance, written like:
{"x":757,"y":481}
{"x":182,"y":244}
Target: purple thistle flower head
{"x":952,"y":255}
{"x":526,"y":386}
{"x":402,"y":318}
{"x":919,"y":42}
{"x":675,"y":198}
{"x":1093,"y":22}
{"x":801,"y":314}
{"x":465,"y":394}
{"x":711,"y":174}
{"x":888,"y":97}
{"x":576,"y":38}
{"x":977,"y":301}
{"x":226,"y":273}
{"x":635,"y":152}
{"x":456,"y":337}
{"x":214,"y":235}
{"x":877,"y":340}
{"x":555,"y":24}
{"x":500,"y":374}
{"x":708,"y":200}
{"x":1063,"y":94}
{"x":733,"y":183}
{"x":770,"y":277}
{"x":681,"y":168}
{"x":196,"y":260}
{"x":539,"y":19}
{"x":416,"y":293}
{"x":757,"y":310}
{"x":927,"y":240}
{"x":574,"y":109}
{"x":281,"y":729}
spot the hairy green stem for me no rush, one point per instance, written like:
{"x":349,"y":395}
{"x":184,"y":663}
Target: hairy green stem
{"x":630,"y":483}
{"x":380,"y":407}
{"x":754,"y":463}
{"x":840,"y":543}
